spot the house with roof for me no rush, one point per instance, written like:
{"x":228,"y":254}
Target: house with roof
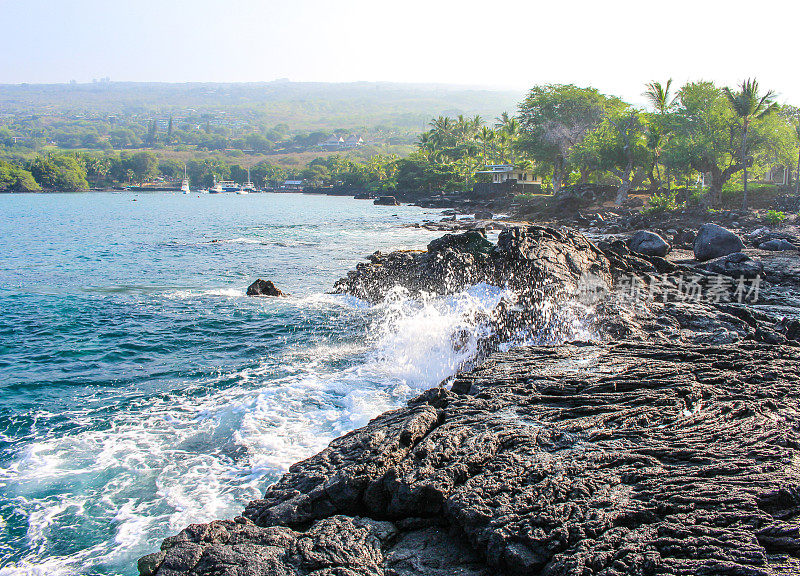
{"x":353,"y":141}
{"x":507,"y":173}
{"x":293,"y":185}
{"x":333,"y":142}
{"x":507,"y":179}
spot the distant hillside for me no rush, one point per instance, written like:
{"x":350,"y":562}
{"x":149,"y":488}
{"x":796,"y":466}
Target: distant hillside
{"x":303,"y":106}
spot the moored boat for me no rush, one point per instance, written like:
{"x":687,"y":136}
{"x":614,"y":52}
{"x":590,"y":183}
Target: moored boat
{"x":185,"y":183}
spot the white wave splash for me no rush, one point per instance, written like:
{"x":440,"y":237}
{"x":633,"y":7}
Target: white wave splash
{"x":203,"y":450}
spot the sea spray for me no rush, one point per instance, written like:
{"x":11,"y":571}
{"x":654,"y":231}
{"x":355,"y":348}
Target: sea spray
{"x":142,"y":391}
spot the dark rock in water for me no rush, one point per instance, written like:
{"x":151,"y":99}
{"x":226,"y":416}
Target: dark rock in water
{"x":713,"y":241}
{"x":649,"y":243}
{"x":364,"y":196}
{"x":735,"y":265}
{"x":623,"y":459}
{"x":483,"y":215}
{"x":449,"y":212}
{"x":263,"y":288}
{"x":777,"y":245}
{"x":386,"y":201}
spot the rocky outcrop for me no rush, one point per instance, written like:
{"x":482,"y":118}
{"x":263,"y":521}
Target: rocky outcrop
{"x":714,"y":241}
{"x":649,"y":243}
{"x":386,"y":201}
{"x":668,"y":446}
{"x":263,"y":288}
{"x":626,"y":459}
{"x":524,"y":259}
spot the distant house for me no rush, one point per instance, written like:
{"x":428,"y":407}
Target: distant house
{"x":353,"y":141}
{"x":338,"y":143}
{"x":293,"y":185}
{"x":334,"y":142}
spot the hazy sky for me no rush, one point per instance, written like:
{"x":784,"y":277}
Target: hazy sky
{"x":615,"y":45}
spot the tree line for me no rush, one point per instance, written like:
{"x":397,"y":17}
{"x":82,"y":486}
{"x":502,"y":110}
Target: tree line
{"x":563,"y":133}
{"x":75,"y":171}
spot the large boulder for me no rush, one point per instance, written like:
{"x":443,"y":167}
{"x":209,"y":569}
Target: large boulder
{"x":649,"y":244}
{"x":713,"y":241}
{"x":263,"y":288}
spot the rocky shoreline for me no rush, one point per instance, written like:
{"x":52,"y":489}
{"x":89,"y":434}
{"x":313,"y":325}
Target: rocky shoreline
{"x":667,"y":443}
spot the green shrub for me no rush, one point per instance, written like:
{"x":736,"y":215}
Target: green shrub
{"x":775,"y":217}
{"x":663,"y":202}
{"x":696,"y":197}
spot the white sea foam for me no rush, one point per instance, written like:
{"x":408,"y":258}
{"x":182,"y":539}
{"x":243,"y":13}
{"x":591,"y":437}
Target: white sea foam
{"x":213,"y":292}
{"x":171,"y":459}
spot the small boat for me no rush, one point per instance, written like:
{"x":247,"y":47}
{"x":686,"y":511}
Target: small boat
{"x":216,"y":188}
{"x":242,"y":191}
{"x":185,"y":183}
{"x":229,"y":186}
{"x":249,"y":186}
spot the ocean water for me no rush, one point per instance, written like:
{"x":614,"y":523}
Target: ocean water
{"x":141,"y":390}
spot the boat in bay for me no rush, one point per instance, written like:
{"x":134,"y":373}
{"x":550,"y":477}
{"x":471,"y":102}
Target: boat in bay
{"x":185,"y":182}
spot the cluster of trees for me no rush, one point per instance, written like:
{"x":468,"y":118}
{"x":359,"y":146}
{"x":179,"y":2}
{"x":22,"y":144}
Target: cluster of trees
{"x":16,"y":179}
{"x":450,"y":153}
{"x":702,"y":129}
{"x":572,"y":134}
{"x":68,"y":172}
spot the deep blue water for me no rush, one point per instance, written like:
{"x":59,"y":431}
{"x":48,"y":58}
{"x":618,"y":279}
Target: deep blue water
{"x":141,"y":391}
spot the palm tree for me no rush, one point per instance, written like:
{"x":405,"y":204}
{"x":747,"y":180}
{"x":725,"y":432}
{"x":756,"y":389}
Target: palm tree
{"x":659,"y":97}
{"x":503,"y":141}
{"x":749,"y":106}
{"x":655,"y":143}
{"x":485,"y":136}
{"x":511,"y":128}
{"x":502,"y":120}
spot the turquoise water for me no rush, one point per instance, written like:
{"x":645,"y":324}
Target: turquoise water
{"x":141,"y":391}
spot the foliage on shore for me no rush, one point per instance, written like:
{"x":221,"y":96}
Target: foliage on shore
{"x":699,"y":135}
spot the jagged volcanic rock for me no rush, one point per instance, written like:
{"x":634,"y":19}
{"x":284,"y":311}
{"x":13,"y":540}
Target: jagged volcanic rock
{"x":671,"y":448}
{"x":525,"y":259}
{"x":627,"y":459}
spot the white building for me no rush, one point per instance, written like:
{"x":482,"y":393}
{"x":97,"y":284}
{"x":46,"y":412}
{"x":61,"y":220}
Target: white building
{"x":293,"y":185}
{"x":502,"y":173}
{"x":353,"y":141}
{"x":338,"y":143}
{"x":334,"y":142}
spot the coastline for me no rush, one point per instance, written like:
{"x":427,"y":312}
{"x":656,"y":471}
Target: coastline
{"x":590,"y":455}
